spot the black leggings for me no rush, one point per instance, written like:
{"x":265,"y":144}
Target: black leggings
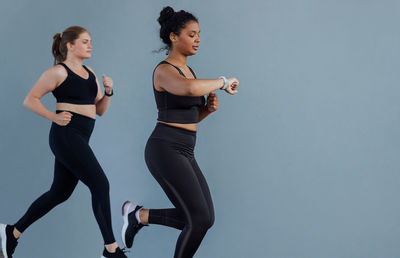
{"x":74,"y":161}
{"x":170,"y":159}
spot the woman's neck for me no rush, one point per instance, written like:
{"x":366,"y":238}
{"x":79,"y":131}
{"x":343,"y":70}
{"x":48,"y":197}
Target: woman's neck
{"x":74,"y":62}
{"x":177,"y":59}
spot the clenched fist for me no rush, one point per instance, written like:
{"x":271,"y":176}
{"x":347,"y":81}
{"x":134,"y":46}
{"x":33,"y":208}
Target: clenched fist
{"x":233,"y":85}
{"x":108,"y":84}
{"x":212,"y":102}
{"x":63,"y":118}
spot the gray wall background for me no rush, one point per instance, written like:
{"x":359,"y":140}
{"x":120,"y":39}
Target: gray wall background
{"x":302,"y":163}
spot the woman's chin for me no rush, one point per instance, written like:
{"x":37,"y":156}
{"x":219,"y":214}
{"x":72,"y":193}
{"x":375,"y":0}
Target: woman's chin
{"x":192,"y":53}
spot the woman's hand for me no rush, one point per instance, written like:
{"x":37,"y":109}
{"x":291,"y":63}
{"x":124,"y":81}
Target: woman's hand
{"x":63,"y":118}
{"x":108,"y":84}
{"x":212,"y":102}
{"x":232,"y":86}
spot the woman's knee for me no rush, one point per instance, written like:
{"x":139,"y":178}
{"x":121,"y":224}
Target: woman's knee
{"x":212,"y":219}
{"x":209,"y":221}
{"x":99,"y":185}
{"x":203,"y":221}
{"x":58,"y":196}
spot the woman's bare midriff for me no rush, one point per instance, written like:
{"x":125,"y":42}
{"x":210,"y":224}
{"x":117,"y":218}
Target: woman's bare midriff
{"x":85,"y":110}
{"x":190,"y":127}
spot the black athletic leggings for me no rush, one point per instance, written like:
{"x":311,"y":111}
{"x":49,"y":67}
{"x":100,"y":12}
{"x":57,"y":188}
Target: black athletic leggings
{"x":170,"y":159}
{"x":74,"y":161}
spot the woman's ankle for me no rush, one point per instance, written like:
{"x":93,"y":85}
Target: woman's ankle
{"x":111,"y":248}
{"x":16,"y":233}
{"x":144,"y":216}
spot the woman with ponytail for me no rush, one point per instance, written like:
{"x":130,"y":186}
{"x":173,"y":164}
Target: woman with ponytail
{"x":79,"y":100}
{"x":169,"y":151}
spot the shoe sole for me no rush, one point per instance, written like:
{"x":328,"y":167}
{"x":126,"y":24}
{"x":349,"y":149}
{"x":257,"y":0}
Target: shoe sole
{"x":126,"y":222}
{"x":3,"y":236}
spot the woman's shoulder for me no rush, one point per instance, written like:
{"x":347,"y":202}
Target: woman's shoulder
{"x":56,"y":72}
{"x":165,"y":68}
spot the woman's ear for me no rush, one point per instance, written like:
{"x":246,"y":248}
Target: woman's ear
{"x":173,"y":37}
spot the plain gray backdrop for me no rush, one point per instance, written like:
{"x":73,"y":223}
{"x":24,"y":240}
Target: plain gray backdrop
{"x":302,"y":163}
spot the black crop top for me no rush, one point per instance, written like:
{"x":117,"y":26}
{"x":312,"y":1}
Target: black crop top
{"x":177,"y":109}
{"x":75,"y":89}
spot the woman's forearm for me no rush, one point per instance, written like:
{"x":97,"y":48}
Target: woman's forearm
{"x":102,"y":105}
{"x":36,"y":106}
{"x":201,"y":87}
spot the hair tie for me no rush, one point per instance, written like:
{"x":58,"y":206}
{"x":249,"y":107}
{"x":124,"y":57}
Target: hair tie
{"x":61,"y":34}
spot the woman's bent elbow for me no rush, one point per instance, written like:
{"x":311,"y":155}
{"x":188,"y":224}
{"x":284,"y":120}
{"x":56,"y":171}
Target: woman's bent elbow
{"x":26,"y":102}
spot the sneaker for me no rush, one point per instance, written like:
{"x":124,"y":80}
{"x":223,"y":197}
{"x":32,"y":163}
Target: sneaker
{"x":118,"y":254}
{"x":131,"y":225}
{"x":8,"y":241}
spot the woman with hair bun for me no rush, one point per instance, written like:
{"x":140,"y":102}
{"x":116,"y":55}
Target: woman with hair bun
{"x":79,"y":99}
{"x":169,"y":151}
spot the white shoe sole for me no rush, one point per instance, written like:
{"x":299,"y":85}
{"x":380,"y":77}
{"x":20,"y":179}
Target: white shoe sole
{"x":125,"y":217}
{"x":3,"y":236}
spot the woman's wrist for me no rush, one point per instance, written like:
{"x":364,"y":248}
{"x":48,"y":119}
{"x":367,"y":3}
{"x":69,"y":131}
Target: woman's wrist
{"x":109,"y":94}
{"x":226,"y":82}
{"x":52,"y":116}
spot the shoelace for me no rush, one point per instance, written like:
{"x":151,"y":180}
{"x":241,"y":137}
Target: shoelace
{"x":124,"y":250}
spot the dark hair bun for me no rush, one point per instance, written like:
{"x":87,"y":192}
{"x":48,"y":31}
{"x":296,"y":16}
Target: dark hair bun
{"x":166,"y":14}
{"x":173,"y":22}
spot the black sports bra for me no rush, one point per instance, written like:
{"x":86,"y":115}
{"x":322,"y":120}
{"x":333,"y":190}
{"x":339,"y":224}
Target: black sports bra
{"x":177,"y":109}
{"x":75,"y":89}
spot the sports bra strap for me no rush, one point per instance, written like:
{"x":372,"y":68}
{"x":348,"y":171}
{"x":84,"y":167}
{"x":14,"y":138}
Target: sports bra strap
{"x":194,"y":75}
{"x":179,"y":70}
{"x":87,"y":69}
{"x":65,"y":66}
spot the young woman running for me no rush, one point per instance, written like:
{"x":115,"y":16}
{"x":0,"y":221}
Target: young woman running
{"x":79,"y":99}
{"x":169,"y":150}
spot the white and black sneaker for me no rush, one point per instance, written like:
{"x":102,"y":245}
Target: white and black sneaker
{"x":8,"y":241}
{"x":131,"y":224}
{"x":118,"y":254}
